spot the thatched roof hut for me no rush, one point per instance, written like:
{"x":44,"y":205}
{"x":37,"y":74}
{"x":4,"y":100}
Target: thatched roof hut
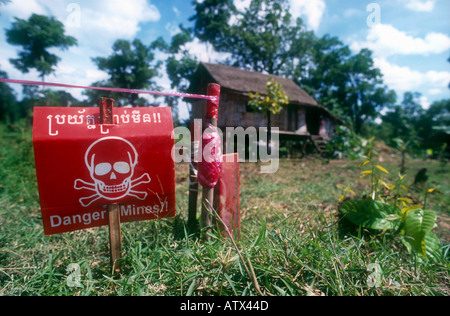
{"x":303,"y":116}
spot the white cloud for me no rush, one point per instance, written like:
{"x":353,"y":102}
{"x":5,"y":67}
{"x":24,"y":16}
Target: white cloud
{"x":419,"y":5}
{"x":172,"y":28}
{"x":17,"y":9}
{"x":101,"y":22}
{"x":385,"y":40}
{"x":104,"y":21}
{"x":96,"y":24}
{"x":241,"y":5}
{"x":423,"y":100}
{"x":435,"y":91}
{"x":402,"y":78}
{"x":311,"y":10}
{"x":176,"y":11}
{"x":205,"y":52}
{"x":82,"y":75}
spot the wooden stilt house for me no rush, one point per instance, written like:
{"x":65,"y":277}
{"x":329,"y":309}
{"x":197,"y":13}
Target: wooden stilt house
{"x":302,"y":119}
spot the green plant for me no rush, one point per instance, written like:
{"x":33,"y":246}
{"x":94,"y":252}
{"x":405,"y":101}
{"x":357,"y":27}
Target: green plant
{"x":386,"y":211}
{"x":346,"y":143}
{"x":272,"y":103}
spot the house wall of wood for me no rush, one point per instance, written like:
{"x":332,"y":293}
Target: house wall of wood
{"x":295,"y":119}
{"x":327,"y":128}
{"x":234,"y":112}
{"x":301,"y":120}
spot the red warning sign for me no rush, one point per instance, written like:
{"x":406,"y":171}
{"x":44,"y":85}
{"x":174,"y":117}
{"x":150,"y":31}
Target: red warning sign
{"x":82,"y":166}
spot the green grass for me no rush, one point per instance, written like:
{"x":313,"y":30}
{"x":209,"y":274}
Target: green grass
{"x":289,"y":234}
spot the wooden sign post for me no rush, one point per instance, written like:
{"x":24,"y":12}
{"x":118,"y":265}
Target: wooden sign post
{"x":193,"y":171}
{"x":106,"y":106}
{"x":212,"y":115}
{"x":115,"y":236}
{"x":96,"y":168}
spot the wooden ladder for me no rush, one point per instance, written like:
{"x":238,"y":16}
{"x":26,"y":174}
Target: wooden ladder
{"x":320,"y":144}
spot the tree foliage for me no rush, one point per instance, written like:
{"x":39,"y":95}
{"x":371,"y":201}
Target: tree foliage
{"x":414,"y":127}
{"x":36,"y":35}
{"x":180,"y":64}
{"x":349,"y":85}
{"x":7,"y":101}
{"x":264,"y":37}
{"x":401,"y":122}
{"x":130,"y":66}
{"x":270,"y":103}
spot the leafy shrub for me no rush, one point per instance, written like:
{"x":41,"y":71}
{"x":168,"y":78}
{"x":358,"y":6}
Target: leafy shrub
{"x":346,"y":143}
{"x":386,"y":210}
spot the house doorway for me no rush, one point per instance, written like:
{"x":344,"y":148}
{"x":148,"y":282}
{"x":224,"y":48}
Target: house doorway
{"x":292,"y":118}
{"x":313,"y":118}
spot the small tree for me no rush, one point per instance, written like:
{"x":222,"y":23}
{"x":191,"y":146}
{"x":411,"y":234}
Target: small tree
{"x":36,"y":36}
{"x":271,"y":103}
{"x":129,"y":67}
{"x":7,"y":100}
{"x":180,"y":64}
{"x":402,"y":146}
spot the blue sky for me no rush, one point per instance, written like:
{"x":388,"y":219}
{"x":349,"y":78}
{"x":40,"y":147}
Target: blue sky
{"x":410,"y":38}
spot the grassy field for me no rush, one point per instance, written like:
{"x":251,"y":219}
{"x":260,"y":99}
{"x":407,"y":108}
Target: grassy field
{"x":289,"y":235}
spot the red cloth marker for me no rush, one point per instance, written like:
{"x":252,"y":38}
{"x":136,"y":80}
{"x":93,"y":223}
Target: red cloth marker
{"x":210,"y":167}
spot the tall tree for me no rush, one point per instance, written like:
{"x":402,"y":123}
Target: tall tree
{"x":36,"y":35}
{"x":433,"y":121}
{"x":402,"y":120}
{"x":7,"y":101}
{"x":349,"y":85}
{"x":180,"y":64}
{"x":263,"y":37}
{"x":420,"y":128}
{"x":325,"y":79}
{"x":364,"y":94}
{"x":211,"y":19}
{"x":130,"y":66}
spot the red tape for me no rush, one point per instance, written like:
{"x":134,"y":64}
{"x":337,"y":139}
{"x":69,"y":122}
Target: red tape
{"x":212,"y":107}
{"x":213,"y":99}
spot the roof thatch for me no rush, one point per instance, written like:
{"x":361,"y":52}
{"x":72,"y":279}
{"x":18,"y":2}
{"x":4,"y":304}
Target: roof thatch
{"x":244,"y":81}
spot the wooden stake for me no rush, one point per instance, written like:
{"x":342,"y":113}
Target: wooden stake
{"x":193,"y":181}
{"x":207,"y":197}
{"x":212,"y":115}
{"x":115,"y":235}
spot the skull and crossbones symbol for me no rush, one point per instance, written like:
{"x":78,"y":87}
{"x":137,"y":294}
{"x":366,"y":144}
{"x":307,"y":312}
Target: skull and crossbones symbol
{"x":111,"y":162}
